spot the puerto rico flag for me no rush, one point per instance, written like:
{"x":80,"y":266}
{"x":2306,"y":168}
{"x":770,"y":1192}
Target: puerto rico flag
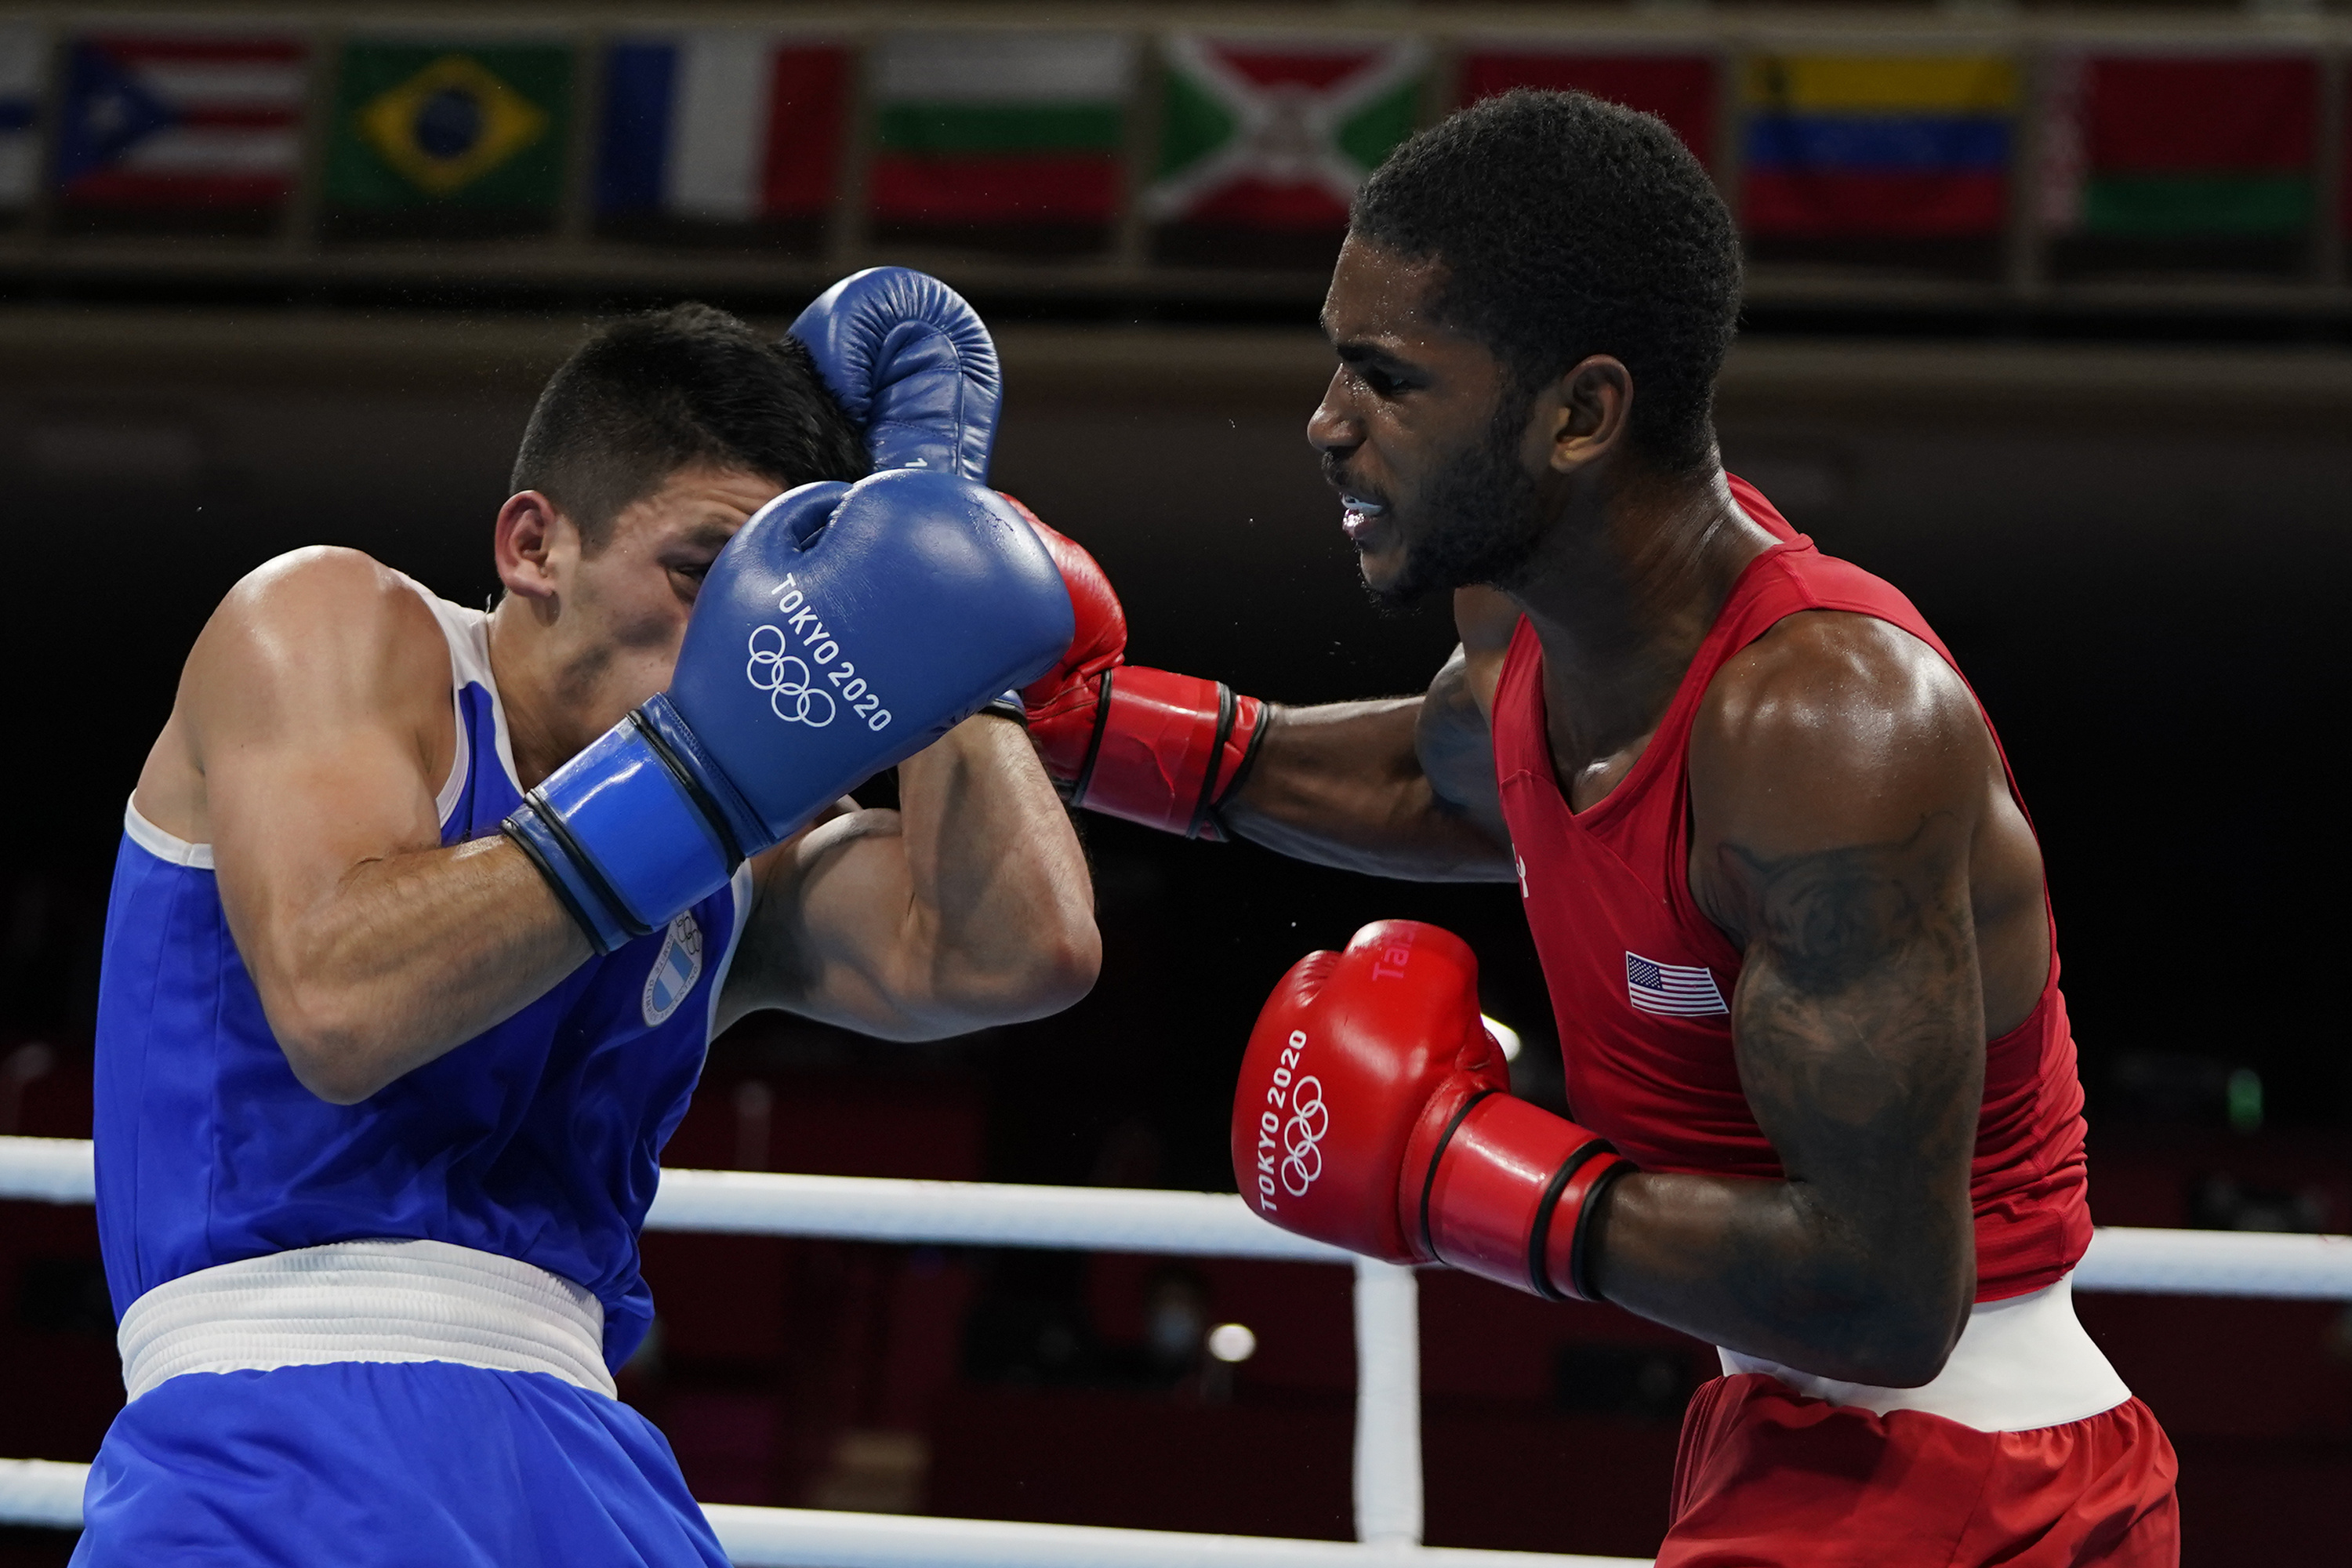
{"x":1672,"y":990}
{"x":187,"y":122}
{"x":721,"y":126}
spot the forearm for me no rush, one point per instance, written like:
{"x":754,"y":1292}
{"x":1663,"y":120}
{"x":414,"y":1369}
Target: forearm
{"x":407,"y":957}
{"x":1000,"y":907}
{"x":1765,"y":1268}
{"x":1344,"y":786}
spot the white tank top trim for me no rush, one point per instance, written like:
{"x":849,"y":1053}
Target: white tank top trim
{"x":467,"y":633}
{"x":162,"y":845}
{"x":2021,"y":1366}
{"x":366,"y":1301}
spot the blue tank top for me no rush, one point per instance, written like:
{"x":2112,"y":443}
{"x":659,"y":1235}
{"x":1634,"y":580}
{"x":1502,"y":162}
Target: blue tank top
{"x":539,"y":1139}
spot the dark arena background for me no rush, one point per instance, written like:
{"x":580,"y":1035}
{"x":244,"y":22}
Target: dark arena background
{"x":2077,"y":382}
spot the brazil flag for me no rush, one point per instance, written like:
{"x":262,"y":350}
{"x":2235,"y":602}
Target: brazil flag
{"x":477,"y":129}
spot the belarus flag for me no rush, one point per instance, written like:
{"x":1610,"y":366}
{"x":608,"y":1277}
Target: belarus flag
{"x":187,"y":121}
{"x":720,"y":126}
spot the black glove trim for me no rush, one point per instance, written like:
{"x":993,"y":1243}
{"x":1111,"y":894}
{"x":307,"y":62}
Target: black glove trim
{"x":1579,"y":1245}
{"x":1007,"y":705}
{"x":1438,"y":1158}
{"x":1228,"y":710}
{"x":1241,"y":774}
{"x":1076,"y":794}
{"x":535,"y":803}
{"x":1539,"y":1232}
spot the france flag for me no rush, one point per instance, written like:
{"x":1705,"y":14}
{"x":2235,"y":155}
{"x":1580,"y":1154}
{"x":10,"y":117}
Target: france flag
{"x":721,"y":125}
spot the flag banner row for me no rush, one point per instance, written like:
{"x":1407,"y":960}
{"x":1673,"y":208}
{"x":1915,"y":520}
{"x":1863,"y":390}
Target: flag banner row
{"x":1064,"y":137}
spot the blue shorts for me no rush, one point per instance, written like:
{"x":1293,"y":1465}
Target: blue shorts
{"x":373,"y":1465}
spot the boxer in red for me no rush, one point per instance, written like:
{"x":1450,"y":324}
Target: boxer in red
{"x":1788,"y":900}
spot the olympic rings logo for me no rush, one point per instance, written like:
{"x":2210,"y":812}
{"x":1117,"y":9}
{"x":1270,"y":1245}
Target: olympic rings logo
{"x":785,"y":678}
{"x":1302,"y":1137}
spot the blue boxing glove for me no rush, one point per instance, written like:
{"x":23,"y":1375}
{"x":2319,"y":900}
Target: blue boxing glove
{"x":843,"y":629}
{"x":913,"y":365}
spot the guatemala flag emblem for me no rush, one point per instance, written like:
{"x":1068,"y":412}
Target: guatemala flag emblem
{"x":675,"y":969}
{"x":1672,"y":990}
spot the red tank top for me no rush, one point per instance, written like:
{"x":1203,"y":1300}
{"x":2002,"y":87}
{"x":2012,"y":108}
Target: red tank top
{"x":1640,"y":977}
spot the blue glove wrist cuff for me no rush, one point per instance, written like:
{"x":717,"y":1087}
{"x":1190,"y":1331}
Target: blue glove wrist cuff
{"x":739,"y":826}
{"x":621,"y":838}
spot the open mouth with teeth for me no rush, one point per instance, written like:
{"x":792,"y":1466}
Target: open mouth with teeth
{"x":1357,"y":513}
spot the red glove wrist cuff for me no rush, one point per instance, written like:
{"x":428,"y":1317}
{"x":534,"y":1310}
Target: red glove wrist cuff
{"x":1510,"y":1194}
{"x":1167,"y":749}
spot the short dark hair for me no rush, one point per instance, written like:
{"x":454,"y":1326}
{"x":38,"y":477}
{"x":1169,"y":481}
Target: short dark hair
{"x":1568,"y":226}
{"x":658,"y":391}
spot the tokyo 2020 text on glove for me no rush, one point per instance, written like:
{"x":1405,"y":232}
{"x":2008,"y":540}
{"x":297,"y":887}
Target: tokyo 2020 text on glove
{"x":1374,"y":1112}
{"x":842,"y":629}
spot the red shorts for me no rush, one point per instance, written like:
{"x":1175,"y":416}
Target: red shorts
{"x":1767,"y":1475}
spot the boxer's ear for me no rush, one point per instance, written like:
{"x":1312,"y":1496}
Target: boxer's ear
{"x":531,"y":538}
{"x":1582,"y":415}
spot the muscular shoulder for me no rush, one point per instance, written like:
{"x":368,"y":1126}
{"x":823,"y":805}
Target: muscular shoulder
{"x":325,"y":628}
{"x":1835,"y":730}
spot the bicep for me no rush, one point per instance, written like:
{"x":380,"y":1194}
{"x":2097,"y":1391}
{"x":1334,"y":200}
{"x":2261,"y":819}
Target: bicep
{"x":826,"y":925}
{"x":1835,"y":793}
{"x":1857,"y":1020}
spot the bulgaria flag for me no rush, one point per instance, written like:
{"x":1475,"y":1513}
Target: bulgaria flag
{"x":1277,"y":136}
{"x":2172,"y":146}
{"x":998,"y":129}
{"x":721,"y":125}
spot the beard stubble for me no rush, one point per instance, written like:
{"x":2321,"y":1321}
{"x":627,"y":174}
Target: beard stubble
{"x":1485,"y":518}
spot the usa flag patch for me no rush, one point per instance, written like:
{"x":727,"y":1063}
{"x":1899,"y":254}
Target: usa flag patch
{"x":1676,"y":990}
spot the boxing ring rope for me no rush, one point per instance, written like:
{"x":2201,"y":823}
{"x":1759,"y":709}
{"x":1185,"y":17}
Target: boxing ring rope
{"x":1388,"y":1394}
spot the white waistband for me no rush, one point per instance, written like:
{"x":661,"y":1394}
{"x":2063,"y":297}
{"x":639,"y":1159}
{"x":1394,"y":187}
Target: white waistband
{"x":366,"y":1301}
{"x":2021,"y":1364}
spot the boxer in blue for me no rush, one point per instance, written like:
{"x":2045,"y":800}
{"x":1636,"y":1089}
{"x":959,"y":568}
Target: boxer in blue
{"x":423,"y":917}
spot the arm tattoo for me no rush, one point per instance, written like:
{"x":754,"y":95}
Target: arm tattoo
{"x":1859,"y":1031}
{"x":1830,"y":917}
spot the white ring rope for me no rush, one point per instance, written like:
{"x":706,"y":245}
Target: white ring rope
{"x":1219,"y":1224}
{"x":44,"y":1492}
{"x":979,"y":1214}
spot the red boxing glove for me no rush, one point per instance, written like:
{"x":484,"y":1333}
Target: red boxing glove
{"x":1125,"y":740}
{"x":1374,"y":1112}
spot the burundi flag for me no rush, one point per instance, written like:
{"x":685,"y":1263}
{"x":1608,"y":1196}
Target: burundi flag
{"x":24,"y":62}
{"x":1009,"y":128}
{"x":421,"y":125}
{"x":1679,"y":86}
{"x":1884,"y":146}
{"x":721,"y":125}
{"x":2174,"y":146}
{"x":1258,"y":134}
{"x":154,"y":121}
